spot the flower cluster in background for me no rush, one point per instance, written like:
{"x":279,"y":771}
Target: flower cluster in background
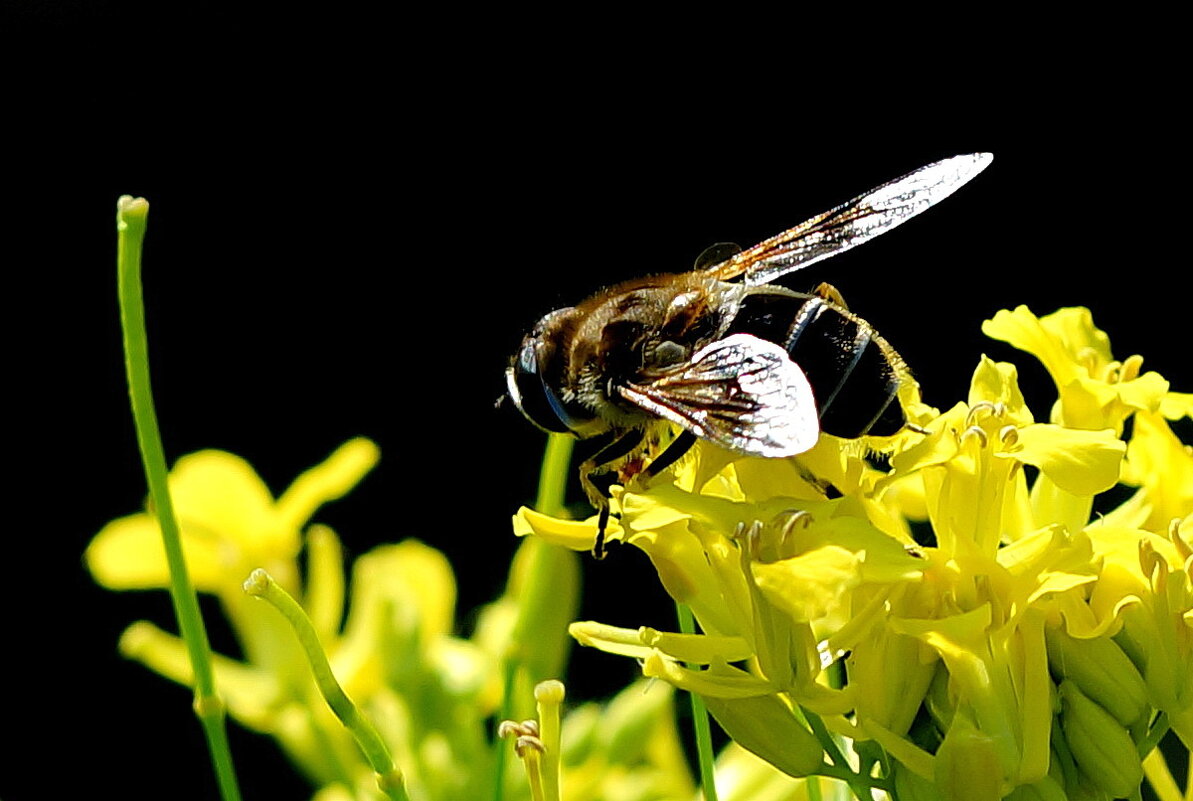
{"x":963,"y":620}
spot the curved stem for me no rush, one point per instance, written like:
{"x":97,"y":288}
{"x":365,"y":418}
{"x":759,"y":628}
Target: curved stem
{"x":261,"y":585}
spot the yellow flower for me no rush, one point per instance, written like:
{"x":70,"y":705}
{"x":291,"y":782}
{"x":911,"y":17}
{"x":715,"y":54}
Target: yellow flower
{"x":1096,"y":391}
{"x":1015,"y":589}
{"x":230,"y":525}
{"x":1144,"y":582}
{"x":767,"y":593}
{"x":970,"y":465}
{"x":429,"y":694}
{"x":230,"y":522}
{"x":1162,"y":467}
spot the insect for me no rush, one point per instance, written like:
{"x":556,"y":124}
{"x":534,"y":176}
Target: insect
{"x":723,"y":353}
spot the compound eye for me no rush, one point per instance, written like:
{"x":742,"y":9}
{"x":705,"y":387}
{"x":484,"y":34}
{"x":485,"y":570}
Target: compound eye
{"x":530,"y":393}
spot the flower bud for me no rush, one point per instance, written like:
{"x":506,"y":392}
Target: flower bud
{"x":1103,"y":672}
{"x":967,"y":764}
{"x":1046,"y":789}
{"x":767,"y":727}
{"x":1101,"y":747}
{"x":910,"y":786}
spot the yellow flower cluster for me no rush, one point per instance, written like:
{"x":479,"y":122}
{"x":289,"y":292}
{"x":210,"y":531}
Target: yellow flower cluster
{"x":432,"y":696}
{"x":965,"y":609}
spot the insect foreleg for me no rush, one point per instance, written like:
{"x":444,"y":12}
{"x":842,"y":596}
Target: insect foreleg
{"x":671,"y":454}
{"x":597,"y":494}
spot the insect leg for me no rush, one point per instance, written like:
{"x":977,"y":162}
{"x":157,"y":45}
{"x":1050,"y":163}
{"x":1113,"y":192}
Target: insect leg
{"x":822,"y":486}
{"x":599,"y":495}
{"x":678,"y":447}
{"x":830,"y":293}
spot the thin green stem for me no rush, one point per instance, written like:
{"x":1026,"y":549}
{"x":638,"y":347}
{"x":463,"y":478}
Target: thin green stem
{"x":509,"y":673}
{"x":687,"y":625}
{"x":1155,"y":734}
{"x":859,"y":783}
{"x":553,"y":475}
{"x":261,"y":585}
{"x":826,"y":738}
{"x":131,"y":219}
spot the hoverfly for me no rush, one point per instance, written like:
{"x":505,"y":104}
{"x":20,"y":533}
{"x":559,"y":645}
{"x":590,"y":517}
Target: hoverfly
{"x":755,"y":368}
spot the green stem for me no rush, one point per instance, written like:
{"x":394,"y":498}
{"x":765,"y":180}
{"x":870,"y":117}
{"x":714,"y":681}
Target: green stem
{"x":553,"y":475}
{"x":131,"y":218}
{"x":704,"y":755}
{"x":500,"y":749}
{"x":826,"y":739}
{"x":261,"y":585}
{"x":860,"y":784}
{"x":1154,"y":735}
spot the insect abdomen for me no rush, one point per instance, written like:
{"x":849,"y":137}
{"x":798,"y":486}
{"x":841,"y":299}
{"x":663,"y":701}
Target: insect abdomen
{"x":854,"y":374}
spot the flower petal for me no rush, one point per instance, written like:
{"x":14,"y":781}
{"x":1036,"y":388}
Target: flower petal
{"x":998,"y":382}
{"x":218,"y":494}
{"x":1079,"y":462}
{"x":333,"y":478}
{"x":578,"y":535}
{"x":812,"y":585}
{"x":127,"y":554}
{"x":719,"y":681}
{"x":1023,"y":330}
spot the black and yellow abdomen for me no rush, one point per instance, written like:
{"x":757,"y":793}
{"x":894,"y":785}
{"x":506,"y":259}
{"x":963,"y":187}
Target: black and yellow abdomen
{"x":855,"y":375}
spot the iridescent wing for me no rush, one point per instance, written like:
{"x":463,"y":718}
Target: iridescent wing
{"x":852,"y":223}
{"x":741,"y":392}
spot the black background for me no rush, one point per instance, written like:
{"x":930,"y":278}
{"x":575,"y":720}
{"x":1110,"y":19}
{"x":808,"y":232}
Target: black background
{"x":353,"y":223}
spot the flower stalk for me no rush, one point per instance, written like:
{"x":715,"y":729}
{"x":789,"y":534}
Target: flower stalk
{"x":389,"y":779}
{"x":553,"y":475}
{"x":704,"y":754}
{"x":131,"y":220}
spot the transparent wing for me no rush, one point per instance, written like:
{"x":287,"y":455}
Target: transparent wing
{"x":854,"y":222}
{"x":715,"y":254}
{"x":740,"y":392}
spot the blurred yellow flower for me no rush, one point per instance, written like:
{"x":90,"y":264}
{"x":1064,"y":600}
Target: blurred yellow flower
{"x":430,"y":694}
{"x":230,"y":525}
{"x":230,"y":522}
